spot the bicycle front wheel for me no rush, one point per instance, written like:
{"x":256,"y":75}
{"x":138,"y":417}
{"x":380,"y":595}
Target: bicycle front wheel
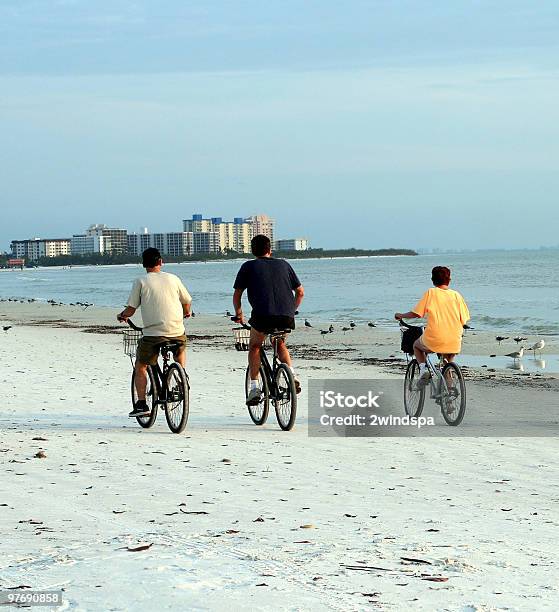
{"x":259,"y":412}
{"x":453,"y":394}
{"x":414,"y":395}
{"x":151,"y":398}
{"x":285,"y":400}
{"x":178,"y":398}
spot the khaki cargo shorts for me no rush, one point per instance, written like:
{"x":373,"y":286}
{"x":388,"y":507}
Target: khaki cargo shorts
{"x":148,"y":347}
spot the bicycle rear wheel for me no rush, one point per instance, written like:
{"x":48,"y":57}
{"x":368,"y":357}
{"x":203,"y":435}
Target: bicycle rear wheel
{"x":151,"y":398}
{"x":453,"y":394}
{"x":258,"y":413}
{"x":414,"y":396}
{"x":178,"y":398}
{"x":285,"y":401}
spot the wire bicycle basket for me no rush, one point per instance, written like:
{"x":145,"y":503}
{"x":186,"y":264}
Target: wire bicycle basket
{"x":241,"y":336}
{"x":130,"y":340}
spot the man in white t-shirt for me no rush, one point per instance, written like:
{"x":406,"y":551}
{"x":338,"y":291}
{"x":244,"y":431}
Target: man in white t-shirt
{"x":165,"y":302}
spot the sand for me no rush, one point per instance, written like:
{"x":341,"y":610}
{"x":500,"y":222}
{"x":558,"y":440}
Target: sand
{"x":253,"y":518}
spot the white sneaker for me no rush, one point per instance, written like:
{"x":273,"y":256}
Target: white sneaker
{"x":254,"y":397}
{"x":423,"y":378}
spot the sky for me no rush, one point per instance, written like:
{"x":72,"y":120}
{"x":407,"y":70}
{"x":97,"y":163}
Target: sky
{"x":371,"y":124}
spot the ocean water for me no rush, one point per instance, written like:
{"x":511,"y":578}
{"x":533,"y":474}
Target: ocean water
{"x":508,"y":291}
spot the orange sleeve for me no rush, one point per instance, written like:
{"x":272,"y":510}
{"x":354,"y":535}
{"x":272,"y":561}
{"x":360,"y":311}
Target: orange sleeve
{"x":421,"y":307}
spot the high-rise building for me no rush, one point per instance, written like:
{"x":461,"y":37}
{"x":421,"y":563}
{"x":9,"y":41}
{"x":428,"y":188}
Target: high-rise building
{"x":138,"y":243}
{"x":119,"y":237}
{"x":233,"y":236}
{"x":262,"y":224}
{"x":35,"y":248}
{"x":197,"y":224}
{"x":82,"y":244}
{"x":170,"y":243}
{"x":206,"y":242}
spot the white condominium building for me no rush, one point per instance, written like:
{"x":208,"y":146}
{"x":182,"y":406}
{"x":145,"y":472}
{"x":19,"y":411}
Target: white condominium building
{"x":206,"y":242}
{"x":82,"y":244}
{"x":118,"y":237}
{"x":292,"y":244}
{"x":35,"y":248}
{"x":170,"y":243}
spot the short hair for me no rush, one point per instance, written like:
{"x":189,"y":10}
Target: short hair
{"x":260,"y":245}
{"x":151,"y":257}
{"x":440,"y":275}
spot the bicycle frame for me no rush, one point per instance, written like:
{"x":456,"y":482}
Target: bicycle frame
{"x":436,"y":373}
{"x":160,"y":374}
{"x":270,"y":369}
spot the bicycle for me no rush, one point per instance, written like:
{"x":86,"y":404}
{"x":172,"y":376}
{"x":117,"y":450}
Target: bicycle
{"x":275,"y":381}
{"x":167,"y":385}
{"x":446,"y":384}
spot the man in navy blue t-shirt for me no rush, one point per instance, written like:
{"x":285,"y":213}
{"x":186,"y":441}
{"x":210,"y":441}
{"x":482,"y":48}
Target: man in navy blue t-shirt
{"x":275,"y":293}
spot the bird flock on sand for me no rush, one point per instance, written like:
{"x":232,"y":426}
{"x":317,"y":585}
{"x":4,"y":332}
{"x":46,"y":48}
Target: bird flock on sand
{"x":332,"y":329}
{"x":84,"y":305}
{"x":538,"y":346}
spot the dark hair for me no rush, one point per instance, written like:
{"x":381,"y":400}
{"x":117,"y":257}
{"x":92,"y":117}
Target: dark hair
{"x":151,"y":257}
{"x":440,"y":275}
{"x":260,"y":245}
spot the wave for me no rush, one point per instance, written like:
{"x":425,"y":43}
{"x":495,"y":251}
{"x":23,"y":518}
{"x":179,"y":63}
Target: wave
{"x":520,"y":324}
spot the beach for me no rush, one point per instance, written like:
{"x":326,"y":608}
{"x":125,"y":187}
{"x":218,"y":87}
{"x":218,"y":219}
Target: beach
{"x":254,"y":516}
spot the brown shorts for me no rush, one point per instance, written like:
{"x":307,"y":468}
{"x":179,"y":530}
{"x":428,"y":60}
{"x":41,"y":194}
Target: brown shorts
{"x":422,"y":341}
{"x":148,"y":348}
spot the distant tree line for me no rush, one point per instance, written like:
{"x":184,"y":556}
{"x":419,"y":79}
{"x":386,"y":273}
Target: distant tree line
{"x":103,"y":259}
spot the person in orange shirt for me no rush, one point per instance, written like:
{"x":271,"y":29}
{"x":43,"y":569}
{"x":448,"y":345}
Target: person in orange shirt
{"x":446,"y":313}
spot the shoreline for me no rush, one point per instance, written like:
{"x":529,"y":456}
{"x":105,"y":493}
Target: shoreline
{"x":380,"y":324}
{"x":377,"y":347}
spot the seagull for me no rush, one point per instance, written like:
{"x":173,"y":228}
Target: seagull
{"x":331,"y":329}
{"x":6,"y":328}
{"x":228,"y":314}
{"x":307,"y":324}
{"x":537,"y":347}
{"x":346,"y":329}
{"x":517,"y":354}
{"x":501,"y":338}
{"x":324,"y":332}
{"x":352,"y":324}
{"x":371,"y":324}
{"x":519,"y":339}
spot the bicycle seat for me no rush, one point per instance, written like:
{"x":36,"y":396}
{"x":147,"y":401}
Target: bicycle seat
{"x":280,"y":332}
{"x":169,"y":345}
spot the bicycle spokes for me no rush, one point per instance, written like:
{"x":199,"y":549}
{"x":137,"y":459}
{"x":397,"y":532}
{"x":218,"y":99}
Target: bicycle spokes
{"x":285,"y":398}
{"x":177,"y":399}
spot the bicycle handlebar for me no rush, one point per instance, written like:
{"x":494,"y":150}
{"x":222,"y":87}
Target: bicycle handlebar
{"x":133,"y":325}
{"x":238,"y":320}
{"x":404,"y":324}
